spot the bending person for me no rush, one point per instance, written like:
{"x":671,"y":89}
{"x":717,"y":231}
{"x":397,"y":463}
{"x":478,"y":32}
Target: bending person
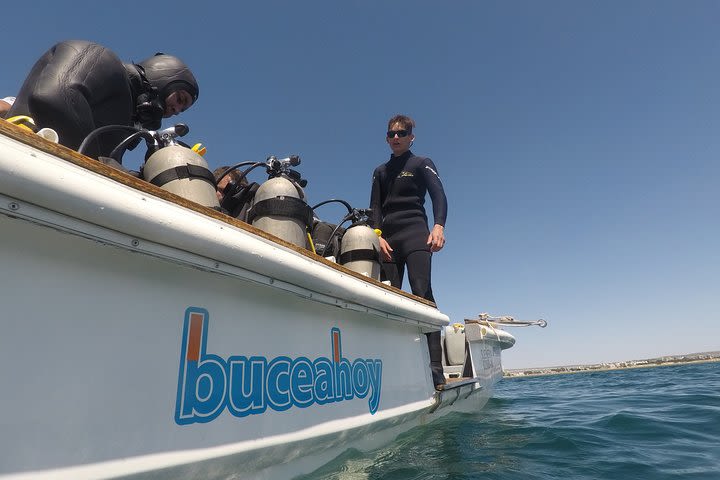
{"x":397,"y":201}
{"x":78,"y":86}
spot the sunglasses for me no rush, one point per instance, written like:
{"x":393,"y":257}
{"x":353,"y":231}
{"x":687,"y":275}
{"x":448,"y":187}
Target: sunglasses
{"x":399,"y":133}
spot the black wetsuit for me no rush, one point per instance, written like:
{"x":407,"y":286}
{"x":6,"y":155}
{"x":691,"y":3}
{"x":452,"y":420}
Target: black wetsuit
{"x":78,"y":86}
{"x":397,"y":202}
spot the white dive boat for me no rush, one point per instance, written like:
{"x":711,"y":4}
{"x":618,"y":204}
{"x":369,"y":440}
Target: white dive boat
{"x":146,"y":336}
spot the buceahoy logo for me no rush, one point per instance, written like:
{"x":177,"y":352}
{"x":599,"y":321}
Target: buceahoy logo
{"x":208,"y":384}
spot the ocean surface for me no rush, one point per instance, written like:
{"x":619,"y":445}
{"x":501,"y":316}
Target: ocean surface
{"x":649,"y":423}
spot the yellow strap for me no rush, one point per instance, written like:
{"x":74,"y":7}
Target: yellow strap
{"x":23,"y":121}
{"x":312,"y":245}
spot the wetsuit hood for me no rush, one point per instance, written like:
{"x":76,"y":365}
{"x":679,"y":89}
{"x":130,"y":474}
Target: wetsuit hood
{"x":169,"y":74}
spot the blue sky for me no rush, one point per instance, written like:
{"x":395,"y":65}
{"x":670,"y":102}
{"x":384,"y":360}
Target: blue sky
{"x":577,"y":140}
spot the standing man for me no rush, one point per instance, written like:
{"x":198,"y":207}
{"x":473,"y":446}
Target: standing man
{"x":397,"y":201}
{"x":78,"y":86}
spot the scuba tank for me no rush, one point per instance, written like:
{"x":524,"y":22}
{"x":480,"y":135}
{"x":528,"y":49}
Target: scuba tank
{"x":360,"y":244}
{"x":279,"y":205}
{"x":180,"y":170}
{"x":169,"y":163}
{"x":360,"y":247}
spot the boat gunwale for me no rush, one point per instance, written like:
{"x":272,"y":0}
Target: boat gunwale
{"x":66,"y":154}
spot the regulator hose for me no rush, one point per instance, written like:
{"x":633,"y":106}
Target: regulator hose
{"x":119,"y":151}
{"x":345,"y":218}
{"x":334,"y":232}
{"x":238,"y":165}
{"x":334,"y":200}
{"x":99,"y":131}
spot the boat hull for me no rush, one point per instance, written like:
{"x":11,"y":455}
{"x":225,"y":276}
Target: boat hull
{"x":142,"y":339}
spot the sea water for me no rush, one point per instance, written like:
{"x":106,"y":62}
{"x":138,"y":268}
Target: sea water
{"x":650,"y":423}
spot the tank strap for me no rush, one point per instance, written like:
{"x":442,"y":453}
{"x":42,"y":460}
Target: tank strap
{"x":358,"y":255}
{"x":183,"y":171}
{"x":282,"y":206}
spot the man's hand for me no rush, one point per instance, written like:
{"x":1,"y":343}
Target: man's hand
{"x":386,"y":249}
{"x":436,"y":239}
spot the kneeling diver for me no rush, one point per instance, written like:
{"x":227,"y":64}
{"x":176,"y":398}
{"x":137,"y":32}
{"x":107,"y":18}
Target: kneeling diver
{"x":79,"y":86}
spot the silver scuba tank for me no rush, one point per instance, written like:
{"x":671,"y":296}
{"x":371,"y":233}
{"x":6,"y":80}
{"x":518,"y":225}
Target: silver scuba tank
{"x":279,"y":205}
{"x":183,"y":172}
{"x":360,"y":250}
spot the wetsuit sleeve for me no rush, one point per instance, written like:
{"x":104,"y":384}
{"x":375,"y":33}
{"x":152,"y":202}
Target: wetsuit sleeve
{"x":375,"y":201}
{"x":436,"y":191}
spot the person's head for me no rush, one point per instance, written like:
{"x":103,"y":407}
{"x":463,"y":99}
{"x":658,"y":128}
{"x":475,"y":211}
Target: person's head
{"x":399,"y":134}
{"x":232,"y":177}
{"x":176,"y":85}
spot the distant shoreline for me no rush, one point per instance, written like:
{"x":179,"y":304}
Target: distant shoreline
{"x":601,"y":367}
